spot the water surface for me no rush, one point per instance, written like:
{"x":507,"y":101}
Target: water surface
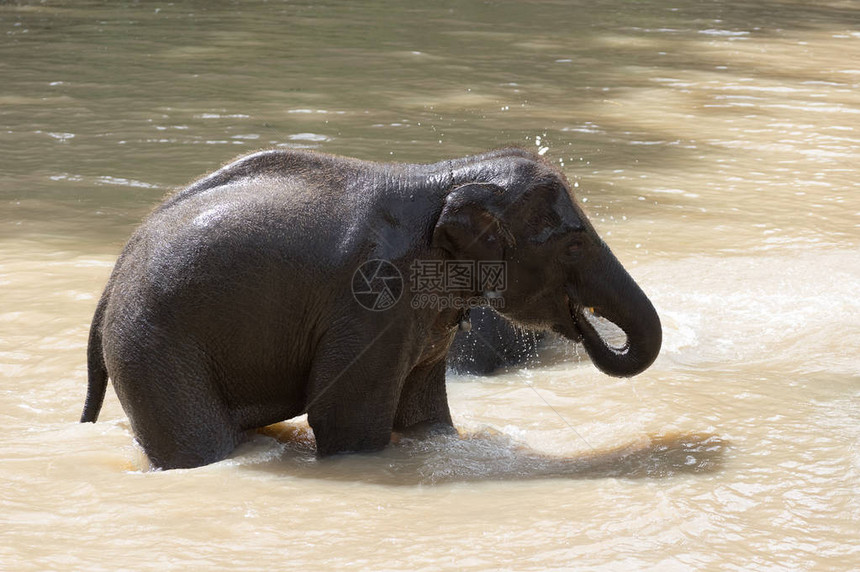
{"x":714,"y":145}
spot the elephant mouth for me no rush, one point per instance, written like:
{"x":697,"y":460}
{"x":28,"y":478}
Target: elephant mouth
{"x":614,"y":320}
{"x":589,"y":325}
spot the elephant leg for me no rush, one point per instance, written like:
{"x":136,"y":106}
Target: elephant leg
{"x":353,"y":389}
{"x":423,"y":405}
{"x":181,"y":443}
{"x":177,"y":417}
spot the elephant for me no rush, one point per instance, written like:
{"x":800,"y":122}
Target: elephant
{"x":274,"y":287}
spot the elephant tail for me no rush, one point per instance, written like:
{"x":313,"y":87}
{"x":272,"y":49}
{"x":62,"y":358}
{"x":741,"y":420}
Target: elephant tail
{"x":97,"y":376}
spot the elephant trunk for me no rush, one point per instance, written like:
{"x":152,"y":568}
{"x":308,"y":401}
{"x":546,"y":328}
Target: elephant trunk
{"x":611,"y":293}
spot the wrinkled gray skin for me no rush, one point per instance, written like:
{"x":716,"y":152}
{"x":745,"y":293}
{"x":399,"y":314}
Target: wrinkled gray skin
{"x":230,"y":308}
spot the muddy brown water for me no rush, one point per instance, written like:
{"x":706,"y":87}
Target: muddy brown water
{"x":715,"y":146}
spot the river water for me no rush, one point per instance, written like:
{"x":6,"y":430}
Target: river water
{"x":715,"y":146}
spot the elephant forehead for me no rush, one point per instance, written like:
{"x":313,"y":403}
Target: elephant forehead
{"x":550,"y":206}
{"x":572,"y":216}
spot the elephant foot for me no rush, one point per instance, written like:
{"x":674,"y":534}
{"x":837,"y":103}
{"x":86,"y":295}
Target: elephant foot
{"x":425,"y":430}
{"x":337,"y":438}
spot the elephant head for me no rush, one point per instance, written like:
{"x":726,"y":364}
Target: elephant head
{"x":518,"y":209}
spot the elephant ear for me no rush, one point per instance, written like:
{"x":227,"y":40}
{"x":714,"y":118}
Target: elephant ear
{"x":470,"y":226}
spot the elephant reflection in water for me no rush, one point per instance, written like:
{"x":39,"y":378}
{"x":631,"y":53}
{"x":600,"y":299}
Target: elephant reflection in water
{"x":493,"y":343}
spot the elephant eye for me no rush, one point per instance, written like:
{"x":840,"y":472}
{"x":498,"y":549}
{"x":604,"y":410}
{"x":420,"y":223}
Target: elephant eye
{"x":575,"y":246}
{"x":573,"y":250}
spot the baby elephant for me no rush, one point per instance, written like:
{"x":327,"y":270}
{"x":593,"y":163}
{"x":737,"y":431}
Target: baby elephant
{"x":293,"y":282}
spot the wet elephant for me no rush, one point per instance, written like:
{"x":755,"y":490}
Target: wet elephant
{"x":282,"y":284}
